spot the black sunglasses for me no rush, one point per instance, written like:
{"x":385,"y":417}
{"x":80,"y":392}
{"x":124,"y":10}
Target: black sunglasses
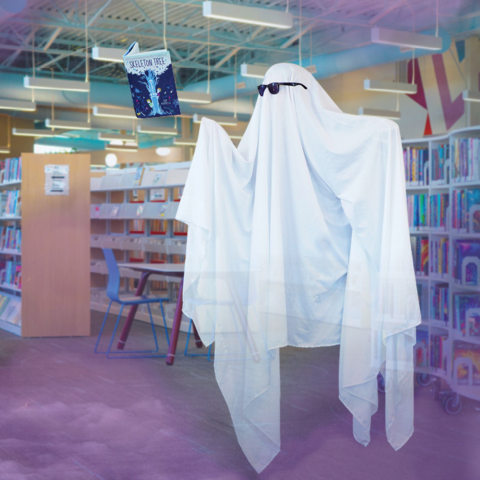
{"x":274,"y":88}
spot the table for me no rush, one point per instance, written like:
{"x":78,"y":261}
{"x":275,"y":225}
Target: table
{"x":169,"y":270}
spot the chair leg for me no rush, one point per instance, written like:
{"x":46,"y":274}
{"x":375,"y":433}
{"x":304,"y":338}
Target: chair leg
{"x":115,"y":330}
{"x":164,"y":323}
{"x":102,"y":327}
{"x":188,"y":338}
{"x":153,"y":329}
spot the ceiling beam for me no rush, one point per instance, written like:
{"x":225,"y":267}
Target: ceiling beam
{"x":52,"y":38}
{"x":230,"y":54}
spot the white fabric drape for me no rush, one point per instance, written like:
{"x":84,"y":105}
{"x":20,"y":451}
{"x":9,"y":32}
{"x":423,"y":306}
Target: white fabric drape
{"x":300,"y":237}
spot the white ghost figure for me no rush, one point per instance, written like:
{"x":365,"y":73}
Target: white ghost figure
{"x":300,"y":237}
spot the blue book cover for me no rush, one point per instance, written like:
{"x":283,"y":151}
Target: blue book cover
{"x":152,"y":83}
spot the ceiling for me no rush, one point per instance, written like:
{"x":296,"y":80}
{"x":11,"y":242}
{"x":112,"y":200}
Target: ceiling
{"x":52,"y":33}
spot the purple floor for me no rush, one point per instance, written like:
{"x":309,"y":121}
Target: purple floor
{"x":67,"y":414}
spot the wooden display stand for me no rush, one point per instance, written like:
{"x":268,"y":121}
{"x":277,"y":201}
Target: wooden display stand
{"x":55,"y":249}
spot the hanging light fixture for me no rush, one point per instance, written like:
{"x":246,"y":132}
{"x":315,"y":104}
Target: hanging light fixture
{"x":254,"y":71}
{"x":19,"y":105}
{"x":115,"y":112}
{"x":251,"y":15}
{"x":184,"y":141}
{"x":119,"y":148}
{"x":392,"y":87}
{"x":404,"y":39}
{"x":157,"y":130}
{"x":56,"y":84}
{"x":221,"y":120}
{"x":193,"y":97}
{"x":33,"y":132}
{"x":470,"y":96}
{"x":109,"y":137}
{"x":67,"y":124}
{"x":107,"y":54}
{"x":375,"y":112}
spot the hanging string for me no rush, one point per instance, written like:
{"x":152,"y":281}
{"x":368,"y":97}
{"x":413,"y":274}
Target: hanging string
{"x":300,"y":38}
{"x":235,"y":90}
{"x":436,"y":30}
{"x":52,"y":108}
{"x":87,"y":68}
{"x":208,"y":55}
{"x":413,"y":67}
{"x":288,"y":5}
{"x":175,"y":122}
{"x":398,"y":102}
{"x":33,"y":59}
{"x":311,"y":48}
{"x":165,"y":24}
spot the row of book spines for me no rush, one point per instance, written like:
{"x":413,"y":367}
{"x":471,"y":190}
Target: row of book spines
{"x":462,"y":303}
{"x":415,"y":161}
{"x":439,"y":256}
{"x":461,"y":250}
{"x":466,"y":159}
{"x":439,"y":303}
{"x":438,"y":356}
{"x":439,"y":156}
{"x":4,"y":301}
{"x":420,"y":254}
{"x":462,"y":202}
{"x":417,"y":207}
{"x":12,"y":203}
{"x":157,"y":227}
{"x":11,"y":274}
{"x":10,"y":238}
{"x":12,"y":171}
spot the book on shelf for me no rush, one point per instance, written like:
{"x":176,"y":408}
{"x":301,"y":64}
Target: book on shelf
{"x":158,"y":227}
{"x":466,"y":262}
{"x":439,"y":302}
{"x":11,"y":203}
{"x":466,"y":356}
{"x":438,"y":210}
{"x":179,"y":228}
{"x":465,"y":159}
{"x":466,"y":210}
{"x":11,"y":274}
{"x":158,"y":195}
{"x":417,"y":207}
{"x":422,"y":300}
{"x":440,"y":155}
{"x":438,"y":350}
{"x":177,"y":194}
{"x":11,"y":170}
{"x":420,"y":254}
{"x":416,"y":165}
{"x":439,"y":256}
{"x":10,"y":309}
{"x":465,"y":319}
{"x":421,"y":348}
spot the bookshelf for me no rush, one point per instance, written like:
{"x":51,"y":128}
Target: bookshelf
{"x":52,"y":300}
{"x":133,"y":212}
{"x":444,"y":235}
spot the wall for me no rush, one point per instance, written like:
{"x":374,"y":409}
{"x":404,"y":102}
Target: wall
{"x":438,"y":105}
{"x":18,"y":145}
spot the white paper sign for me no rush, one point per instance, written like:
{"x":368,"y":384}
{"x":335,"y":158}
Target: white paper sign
{"x":57,"y":179}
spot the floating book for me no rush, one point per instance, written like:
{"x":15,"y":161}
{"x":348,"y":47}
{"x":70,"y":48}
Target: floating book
{"x":152,"y":83}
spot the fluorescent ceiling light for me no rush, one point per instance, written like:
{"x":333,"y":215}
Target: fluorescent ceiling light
{"x":375,"y":112}
{"x":471,"y":96}
{"x":255,"y":71}
{"x":118,"y":148}
{"x":235,"y":137}
{"x":116,"y":142}
{"x":405,"y":39}
{"x":32,"y":132}
{"x":185,"y":141}
{"x":56,"y":84}
{"x":197,"y":118}
{"x":4,"y":150}
{"x":108,"y":54}
{"x":111,"y":160}
{"x":108,"y":137}
{"x":17,"y":105}
{"x":194,"y":97}
{"x":116,"y":112}
{"x":68,"y":124}
{"x":251,"y":15}
{"x":157,"y":130}
{"x":385,"y":86}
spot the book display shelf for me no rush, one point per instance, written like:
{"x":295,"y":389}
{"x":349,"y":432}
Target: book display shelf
{"x":133,"y":212}
{"x":42,"y":239}
{"x":443,"y":199}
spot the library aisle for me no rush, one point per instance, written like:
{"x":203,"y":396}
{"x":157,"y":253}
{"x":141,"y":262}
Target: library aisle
{"x":239,"y":240}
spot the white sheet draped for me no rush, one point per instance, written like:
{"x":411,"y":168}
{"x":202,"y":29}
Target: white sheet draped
{"x":300,"y":237}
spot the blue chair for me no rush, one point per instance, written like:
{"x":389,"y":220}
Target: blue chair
{"x":112,"y":293}
{"x":186,"y":354}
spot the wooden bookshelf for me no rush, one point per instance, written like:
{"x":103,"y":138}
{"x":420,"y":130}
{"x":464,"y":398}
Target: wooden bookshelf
{"x":55,"y":249}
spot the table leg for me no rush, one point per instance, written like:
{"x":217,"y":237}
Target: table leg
{"x":133,"y":311}
{"x":198,"y":341}
{"x":177,"y":320}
